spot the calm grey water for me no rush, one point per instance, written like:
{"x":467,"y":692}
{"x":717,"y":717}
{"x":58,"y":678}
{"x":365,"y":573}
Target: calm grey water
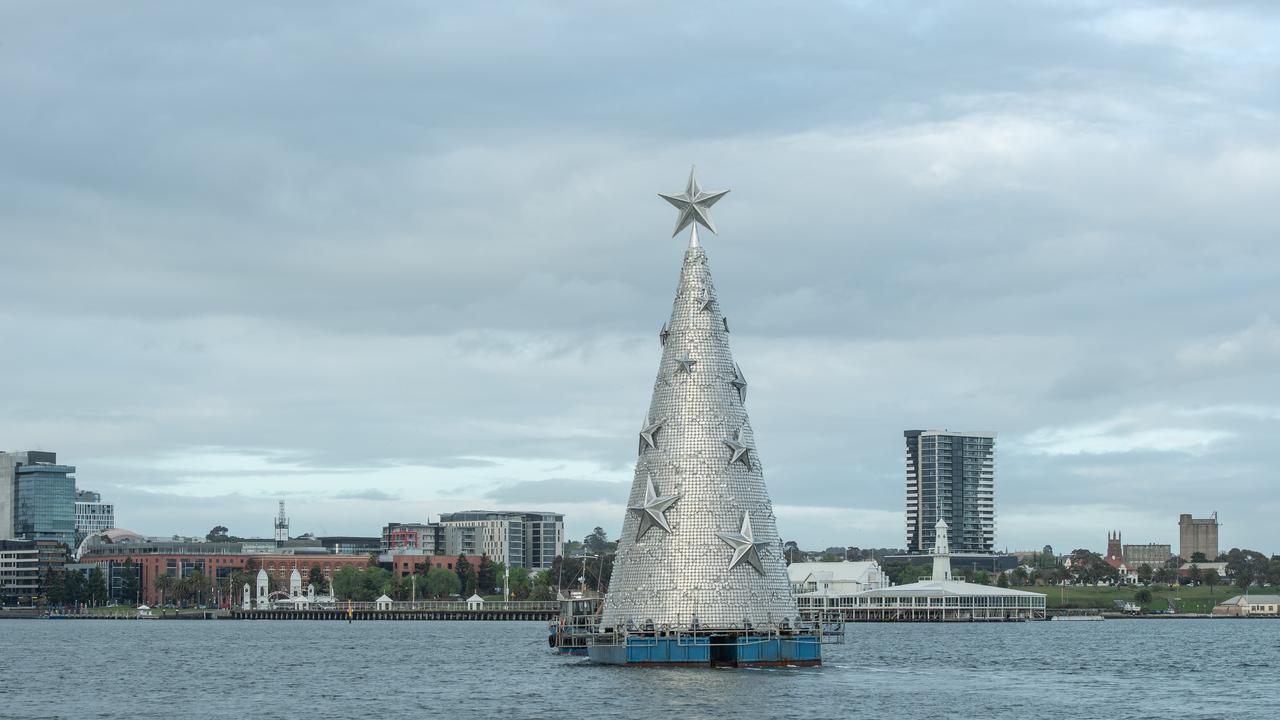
{"x":306,"y":670}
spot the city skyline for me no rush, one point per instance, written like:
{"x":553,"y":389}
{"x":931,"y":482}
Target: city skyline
{"x":418,"y":275}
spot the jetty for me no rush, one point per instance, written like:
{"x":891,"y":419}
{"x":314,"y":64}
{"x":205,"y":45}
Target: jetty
{"x":428,"y":610}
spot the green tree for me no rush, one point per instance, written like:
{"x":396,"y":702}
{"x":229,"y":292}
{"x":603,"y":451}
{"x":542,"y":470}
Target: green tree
{"x":164,"y":585}
{"x":518,"y":583}
{"x":131,"y":583}
{"x":55,"y":592}
{"x":1018,"y":576}
{"x":485,"y":575}
{"x":376,"y":581}
{"x":1002,"y":580}
{"x":1142,"y":597}
{"x":466,"y":575}
{"x":1244,"y":578}
{"x":980,"y":577}
{"x":346,"y":583}
{"x":1193,"y":573}
{"x":1145,"y":573}
{"x":97,"y":587}
{"x":597,"y":542}
{"x":217,"y":534}
{"x":499,"y":576}
{"x":316,"y":577}
{"x":1198,"y":557}
{"x":197,"y":586}
{"x":442,"y":583}
{"x":1211,"y":578}
{"x":792,"y":553}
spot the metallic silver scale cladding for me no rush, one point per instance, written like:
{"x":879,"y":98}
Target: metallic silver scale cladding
{"x":667,"y":578}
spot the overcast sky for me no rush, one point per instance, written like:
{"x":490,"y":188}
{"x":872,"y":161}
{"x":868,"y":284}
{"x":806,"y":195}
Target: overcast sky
{"x":395,"y":261}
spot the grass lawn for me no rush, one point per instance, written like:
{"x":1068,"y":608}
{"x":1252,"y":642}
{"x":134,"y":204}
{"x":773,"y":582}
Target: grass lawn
{"x":1186,"y":599}
{"x":131,"y":610}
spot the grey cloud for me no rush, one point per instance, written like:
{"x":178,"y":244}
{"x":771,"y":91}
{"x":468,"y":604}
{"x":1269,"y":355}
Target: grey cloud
{"x":428,"y":238}
{"x":560,"y":490}
{"x":369,"y":494}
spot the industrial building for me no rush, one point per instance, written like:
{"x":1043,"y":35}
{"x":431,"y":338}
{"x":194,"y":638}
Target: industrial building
{"x":1198,"y":535}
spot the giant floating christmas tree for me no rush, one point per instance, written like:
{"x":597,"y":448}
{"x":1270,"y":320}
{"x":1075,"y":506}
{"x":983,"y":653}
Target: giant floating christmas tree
{"x":699,"y":548}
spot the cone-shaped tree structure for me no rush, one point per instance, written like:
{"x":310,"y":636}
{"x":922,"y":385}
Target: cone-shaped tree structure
{"x":700,"y":539}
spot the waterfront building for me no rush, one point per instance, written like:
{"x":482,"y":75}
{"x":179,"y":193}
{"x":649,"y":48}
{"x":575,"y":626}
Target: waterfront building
{"x":51,"y":557}
{"x":92,"y":515}
{"x":830,"y":586}
{"x":951,"y":477}
{"x":45,"y":502}
{"x":699,"y":576}
{"x":1198,"y":535}
{"x":350,"y":544}
{"x":1249,"y":606}
{"x":9,"y":463}
{"x":944,"y":599}
{"x":116,"y":574}
{"x":19,"y":572}
{"x":426,"y":537}
{"x":216,"y":561}
{"x":543,"y":539}
{"x":519,"y":539}
{"x":415,"y":562}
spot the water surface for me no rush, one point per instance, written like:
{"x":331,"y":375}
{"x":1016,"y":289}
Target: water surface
{"x":311,"y":670}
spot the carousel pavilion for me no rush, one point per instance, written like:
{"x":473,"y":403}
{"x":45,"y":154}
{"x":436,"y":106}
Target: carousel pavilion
{"x":943,"y":598}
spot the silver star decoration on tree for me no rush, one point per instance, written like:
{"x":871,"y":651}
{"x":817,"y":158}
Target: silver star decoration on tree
{"x":744,"y":544}
{"x":739,"y":451}
{"x":663,"y":335}
{"x":739,"y":383}
{"x":653,"y":510}
{"x":694,"y":205}
{"x":685,"y":365}
{"x":647,"y":435}
{"x":706,"y":301}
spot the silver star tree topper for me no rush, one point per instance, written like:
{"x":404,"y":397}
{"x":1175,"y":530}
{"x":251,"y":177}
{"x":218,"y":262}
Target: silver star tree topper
{"x":694,"y":206}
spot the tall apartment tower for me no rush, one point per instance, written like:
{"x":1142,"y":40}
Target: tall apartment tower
{"x":951,"y":477}
{"x":1198,"y":535}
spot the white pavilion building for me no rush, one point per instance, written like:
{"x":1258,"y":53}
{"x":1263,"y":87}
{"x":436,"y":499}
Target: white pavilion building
{"x":943,"y":598}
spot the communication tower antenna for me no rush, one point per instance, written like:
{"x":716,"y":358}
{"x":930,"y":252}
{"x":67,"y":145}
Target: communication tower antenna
{"x":282,"y":525}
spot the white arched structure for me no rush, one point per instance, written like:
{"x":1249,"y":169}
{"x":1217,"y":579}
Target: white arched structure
{"x":261,"y":596}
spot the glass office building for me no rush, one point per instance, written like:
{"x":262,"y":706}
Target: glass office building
{"x":45,"y":502}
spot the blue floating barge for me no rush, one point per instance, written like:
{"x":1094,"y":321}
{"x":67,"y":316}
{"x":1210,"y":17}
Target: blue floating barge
{"x":708,"y":649}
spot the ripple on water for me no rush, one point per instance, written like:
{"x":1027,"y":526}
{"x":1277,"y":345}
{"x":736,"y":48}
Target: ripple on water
{"x":164,"y":669}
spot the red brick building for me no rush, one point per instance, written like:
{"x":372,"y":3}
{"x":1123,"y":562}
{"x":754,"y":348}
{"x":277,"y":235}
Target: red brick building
{"x":404,"y":565}
{"x":217,"y":561}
